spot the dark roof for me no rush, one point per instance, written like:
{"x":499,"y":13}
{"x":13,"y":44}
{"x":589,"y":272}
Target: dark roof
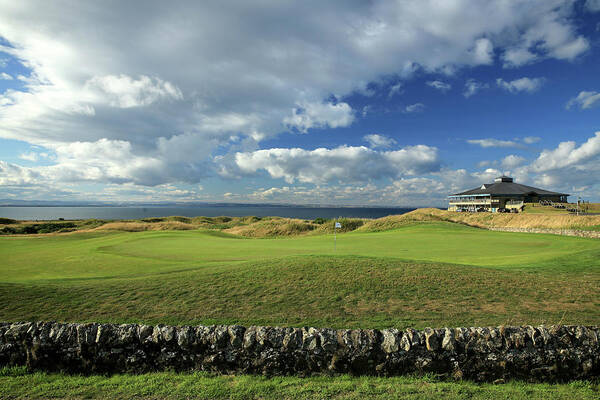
{"x":501,"y":187}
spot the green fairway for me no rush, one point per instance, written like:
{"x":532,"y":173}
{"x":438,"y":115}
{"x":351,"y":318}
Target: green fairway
{"x":429,"y":274}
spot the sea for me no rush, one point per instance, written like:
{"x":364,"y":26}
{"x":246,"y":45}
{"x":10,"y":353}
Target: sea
{"x":33,"y":213}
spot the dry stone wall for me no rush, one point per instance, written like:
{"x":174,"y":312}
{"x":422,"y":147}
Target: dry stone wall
{"x":543,"y":353}
{"x":564,"y":232}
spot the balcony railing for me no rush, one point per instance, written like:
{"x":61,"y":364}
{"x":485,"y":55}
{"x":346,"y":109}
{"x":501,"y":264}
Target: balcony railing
{"x":486,"y":201}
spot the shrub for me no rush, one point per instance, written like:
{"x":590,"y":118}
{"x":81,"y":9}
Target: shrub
{"x":47,"y":227}
{"x":320,"y":220}
{"x":7,"y":221}
{"x":349,"y":224}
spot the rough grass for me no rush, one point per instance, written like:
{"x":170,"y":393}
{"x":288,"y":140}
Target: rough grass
{"x":270,"y":227}
{"x":17,"y":383}
{"x":536,"y":208}
{"x":485,"y":220}
{"x":282,"y":227}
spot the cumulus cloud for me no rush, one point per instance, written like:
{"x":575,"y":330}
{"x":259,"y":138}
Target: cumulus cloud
{"x":512,"y":161}
{"x":163,"y":80}
{"x":567,"y":154}
{"x":395,"y":89}
{"x":376,"y":140}
{"x":439,"y":85}
{"x":16,"y":175}
{"x":124,"y":92}
{"x":584,"y":100}
{"x":524,"y":84}
{"x":6,"y":77}
{"x":546,"y":37}
{"x":483,"y":51}
{"x":356,"y":164}
{"x":320,"y":115}
{"x":417,"y":107}
{"x":405,"y":191}
{"x":569,"y":168}
{"x":473,"y":86}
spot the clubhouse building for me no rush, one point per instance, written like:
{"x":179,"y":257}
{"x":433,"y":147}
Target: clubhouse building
{"x":503,"y":195}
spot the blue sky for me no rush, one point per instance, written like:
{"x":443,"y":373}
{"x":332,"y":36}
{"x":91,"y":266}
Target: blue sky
{"x":348,"y":103}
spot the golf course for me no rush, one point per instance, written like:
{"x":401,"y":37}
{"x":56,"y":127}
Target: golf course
{"x":422,"y":274}
{"x":417,"y":274}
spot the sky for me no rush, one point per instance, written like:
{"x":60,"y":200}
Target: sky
{"x":387,"y":103}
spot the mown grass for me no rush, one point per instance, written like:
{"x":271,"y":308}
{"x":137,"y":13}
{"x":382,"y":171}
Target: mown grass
{"x":421,"y":274}
{"x":433,"y":274}
{"x":17,"y":383}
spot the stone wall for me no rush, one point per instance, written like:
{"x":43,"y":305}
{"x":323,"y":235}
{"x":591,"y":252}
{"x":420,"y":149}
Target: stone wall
{"x":564,"y":232}
{"x":543,"y":353}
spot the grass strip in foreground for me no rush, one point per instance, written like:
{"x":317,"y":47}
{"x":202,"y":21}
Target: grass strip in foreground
{"x":18,"y":383}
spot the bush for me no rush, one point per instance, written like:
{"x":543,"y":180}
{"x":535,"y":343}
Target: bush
{"x":349,"y":224}
{"x":7,"y":221}
{"x":320,"y":221}
{"x":47,"y":227}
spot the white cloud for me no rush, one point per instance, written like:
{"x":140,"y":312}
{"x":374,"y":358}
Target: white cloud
{"x":511,"y":161}
{"x":376,"y":140}
{"x":320,"y":115}
{"x":124,"y":92}
{"x":483,"y":51}
{"x":472,"y":87}
{"x":439,"y":85}
{"x":366,"y":110}
{"x":546,"y":37}
{"x":489,"y":142}
{"x":518,"y":56}
{"x":531,"y":139}
{"x":592,"y":5}
{"x":395,"y":89}
{"x":356,"y":164}
{"x":569,"y":168}
{"x":405,"y":191}
{"x":6,"y":77}
{"x":155,"y":82}
{"x":417,"y":107}
{"x":33,"y":156}
{"x":15,"y":175}
{"x":524,"y":84}
{"x":567,"y":154}
{"x":584,"y":100}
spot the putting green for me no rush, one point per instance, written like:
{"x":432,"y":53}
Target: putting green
{"x":104,"y":255}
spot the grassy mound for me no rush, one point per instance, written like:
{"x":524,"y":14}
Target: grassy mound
{"x":284,"y":227}
{"x":273,"y":227}
{"x":486,"y":220}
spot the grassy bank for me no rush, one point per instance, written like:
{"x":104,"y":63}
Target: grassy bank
{"x":428,"y":274}
{"x":18,"y":384}
{"x":535,"y":216}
